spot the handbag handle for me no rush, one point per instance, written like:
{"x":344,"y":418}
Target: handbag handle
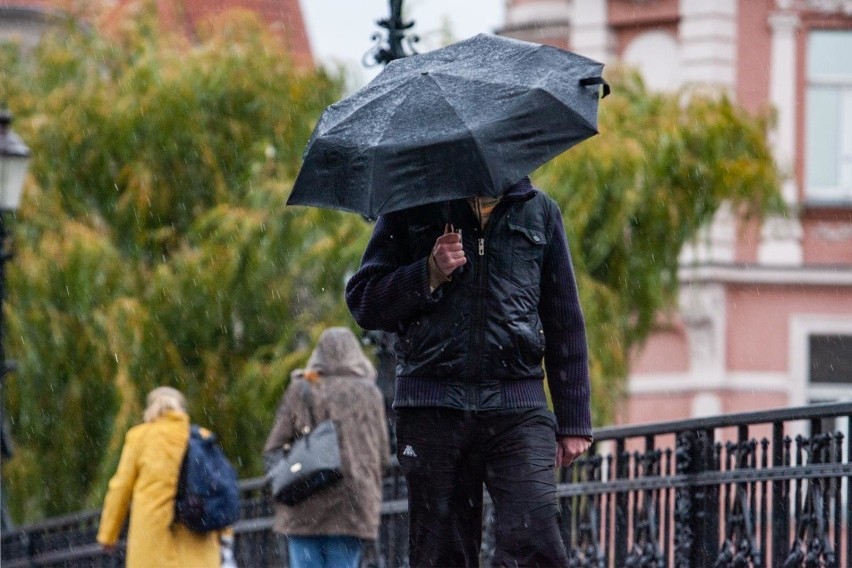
{"x":309,"y":402}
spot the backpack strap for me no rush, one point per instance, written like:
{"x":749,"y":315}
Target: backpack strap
{"x":181,"y":481}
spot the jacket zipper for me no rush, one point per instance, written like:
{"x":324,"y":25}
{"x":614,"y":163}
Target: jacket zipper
{"x":479,"y":275}
{"x":470,"y":402}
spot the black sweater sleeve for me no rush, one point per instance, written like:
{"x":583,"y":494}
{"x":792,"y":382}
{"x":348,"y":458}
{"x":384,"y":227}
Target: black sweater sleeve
{"x":566,"y":351}
{"x":388,"y":288}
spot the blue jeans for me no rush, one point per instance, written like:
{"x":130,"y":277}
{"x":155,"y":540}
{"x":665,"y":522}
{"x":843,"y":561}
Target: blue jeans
{"x":324,"y":551}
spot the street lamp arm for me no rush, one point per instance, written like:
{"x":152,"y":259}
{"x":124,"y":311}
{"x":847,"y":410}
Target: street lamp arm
{"x":398,"y":43}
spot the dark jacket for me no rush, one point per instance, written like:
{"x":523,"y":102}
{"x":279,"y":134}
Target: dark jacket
{"x":477,"y":342}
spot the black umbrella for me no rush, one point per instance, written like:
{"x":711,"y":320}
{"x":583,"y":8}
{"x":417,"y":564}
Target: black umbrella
{"x":468,"y":119}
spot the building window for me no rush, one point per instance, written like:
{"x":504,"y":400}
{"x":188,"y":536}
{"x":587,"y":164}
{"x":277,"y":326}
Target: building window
{"x":656,"y":55}
{"x":831,"y":359}
{"x":828,"y":164}
{"x":830,"y":362}
{"x":829,"y":367}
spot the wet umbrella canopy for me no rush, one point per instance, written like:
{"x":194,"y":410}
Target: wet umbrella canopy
{"x":468,"y":119}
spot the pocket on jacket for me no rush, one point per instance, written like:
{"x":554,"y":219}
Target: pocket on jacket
{"x":530,"y":342}
{"x":528,"y":245}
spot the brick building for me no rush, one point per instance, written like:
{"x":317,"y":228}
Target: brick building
{"x":765,"y":316}
{"x":26,"y":20}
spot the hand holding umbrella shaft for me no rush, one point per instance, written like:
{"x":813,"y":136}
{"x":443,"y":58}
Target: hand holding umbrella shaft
{"x":448,"y":253}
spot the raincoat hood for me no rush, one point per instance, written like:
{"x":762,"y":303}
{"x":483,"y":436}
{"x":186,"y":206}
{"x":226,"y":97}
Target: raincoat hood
{"x":338,"y":353}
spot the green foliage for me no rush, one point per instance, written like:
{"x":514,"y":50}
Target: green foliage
{"x":154,"y":245}
{"x":661,"y":167}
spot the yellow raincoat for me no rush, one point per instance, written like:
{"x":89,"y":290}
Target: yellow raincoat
{"x":145,"y":483}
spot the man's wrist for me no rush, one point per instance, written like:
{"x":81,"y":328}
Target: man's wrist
{"x":436,"y":277}
{"x":586,"y":437}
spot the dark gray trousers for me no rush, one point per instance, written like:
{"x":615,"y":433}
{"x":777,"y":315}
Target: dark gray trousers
{"x":447,"y":455}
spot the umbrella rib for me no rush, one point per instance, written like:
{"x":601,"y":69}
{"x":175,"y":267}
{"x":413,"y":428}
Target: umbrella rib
{"x":463,"y":121}
{"x":389,"y":85}
{"x":570,"y":109}
{"x":529,"y":88}
{"x":373,"y":157}
{"x":487,"y":81}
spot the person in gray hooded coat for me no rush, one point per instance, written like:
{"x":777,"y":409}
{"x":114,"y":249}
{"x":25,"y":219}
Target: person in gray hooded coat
{"x":329,"y":527}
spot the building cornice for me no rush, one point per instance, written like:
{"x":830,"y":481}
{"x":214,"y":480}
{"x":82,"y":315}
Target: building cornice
{"x":830,"y":6}
{"x":822,"y":275}
{"x":689,"y":384}
{"x":534,"y":25}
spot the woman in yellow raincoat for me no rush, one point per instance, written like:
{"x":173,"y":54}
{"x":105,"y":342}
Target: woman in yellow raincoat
{"x":145,"y":484}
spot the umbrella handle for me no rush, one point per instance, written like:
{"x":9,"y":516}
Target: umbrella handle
{"x":596,"y":81}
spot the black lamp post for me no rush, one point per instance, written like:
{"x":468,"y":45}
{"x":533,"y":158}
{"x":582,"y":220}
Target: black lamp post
{"x":398,"y":43}
{"x":14,"y":159}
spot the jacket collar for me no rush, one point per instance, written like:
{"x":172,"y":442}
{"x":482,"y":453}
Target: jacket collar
{"x":521,"y":190}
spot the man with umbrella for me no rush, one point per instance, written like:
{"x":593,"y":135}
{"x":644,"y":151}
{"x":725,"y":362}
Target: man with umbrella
{"x":469,"y":266}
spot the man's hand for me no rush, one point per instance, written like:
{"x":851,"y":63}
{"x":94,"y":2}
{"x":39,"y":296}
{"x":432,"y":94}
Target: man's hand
{"x":568,"y":448}
{"x":447,"y":255}
{"x":448,"y":252}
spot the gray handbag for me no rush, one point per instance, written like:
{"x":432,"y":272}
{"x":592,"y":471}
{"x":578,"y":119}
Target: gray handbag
{"x":312,"y":464}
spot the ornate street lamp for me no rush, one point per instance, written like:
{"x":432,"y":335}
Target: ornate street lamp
{"x":14,"y":159}
{"x":399,"y":43}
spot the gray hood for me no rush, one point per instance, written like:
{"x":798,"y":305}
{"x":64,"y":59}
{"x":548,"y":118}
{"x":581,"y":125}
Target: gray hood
{"x":338,"y":353}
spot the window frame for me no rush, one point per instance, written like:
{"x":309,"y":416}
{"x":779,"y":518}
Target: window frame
{"x":841,"y":83}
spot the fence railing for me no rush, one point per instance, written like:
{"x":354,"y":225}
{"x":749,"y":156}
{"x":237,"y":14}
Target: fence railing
{"x":755,"y":489}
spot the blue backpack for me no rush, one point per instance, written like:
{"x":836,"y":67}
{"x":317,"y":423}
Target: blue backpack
{"x":208,"y":497}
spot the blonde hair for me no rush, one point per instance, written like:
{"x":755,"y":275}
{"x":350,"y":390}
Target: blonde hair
{"x":161,"y":400}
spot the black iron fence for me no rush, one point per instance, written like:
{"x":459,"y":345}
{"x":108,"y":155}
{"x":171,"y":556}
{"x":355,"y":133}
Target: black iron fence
{"x":746,"y":490}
